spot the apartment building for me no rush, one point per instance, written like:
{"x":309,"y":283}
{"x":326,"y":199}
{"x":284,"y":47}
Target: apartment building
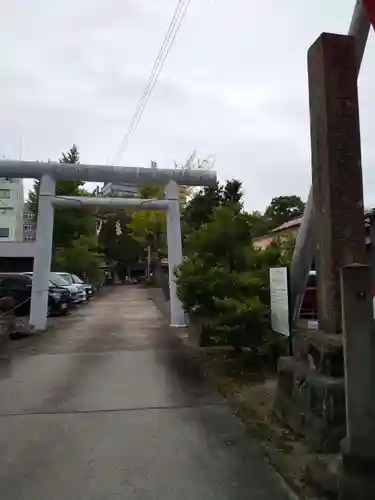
{"x":120,"y":189}
{"x":29,"y":226}
{"x":111,"y":189}
{"x":11,"y":209}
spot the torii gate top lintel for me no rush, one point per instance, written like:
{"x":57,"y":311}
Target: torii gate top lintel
{"x":106,"y":173}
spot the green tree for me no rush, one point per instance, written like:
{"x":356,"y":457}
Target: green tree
{"x":72,"y":156}
{"x":216,"y":240}
{"x":260,"y":224}
{"x":80,"y":257}
{"x":69,"y":224}
{"x":283,"y":209}
{"x":201,"y":206}
{"x":149,"y":229}
{"x":149,"y":226}
{"x":117,"y":242}
{"x":232,"y":191}
{"x":216,"y":281}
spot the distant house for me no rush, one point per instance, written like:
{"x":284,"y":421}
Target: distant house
{"x":291,"y":228}
{"x":287,"y":229}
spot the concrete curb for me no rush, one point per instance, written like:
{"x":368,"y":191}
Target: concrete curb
{"x":157,"y":296}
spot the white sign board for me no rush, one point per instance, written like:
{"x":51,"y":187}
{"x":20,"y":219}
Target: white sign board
{"x":279,"y":300}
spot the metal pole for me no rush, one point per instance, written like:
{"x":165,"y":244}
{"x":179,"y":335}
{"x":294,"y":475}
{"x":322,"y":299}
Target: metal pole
{"x":172,"y":194}
{"x":305,"y":243}
{"x":43,"y":255}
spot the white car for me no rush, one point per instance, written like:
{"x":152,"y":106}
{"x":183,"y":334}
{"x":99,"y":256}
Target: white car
{"x":82,"y":293}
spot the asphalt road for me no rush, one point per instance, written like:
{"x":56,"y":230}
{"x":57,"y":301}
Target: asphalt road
{"x":111,"y":405}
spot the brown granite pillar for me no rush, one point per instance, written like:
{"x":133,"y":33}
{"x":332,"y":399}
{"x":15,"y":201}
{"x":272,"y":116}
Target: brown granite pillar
{"x":311,"y":392}
{"x":336,"y":169}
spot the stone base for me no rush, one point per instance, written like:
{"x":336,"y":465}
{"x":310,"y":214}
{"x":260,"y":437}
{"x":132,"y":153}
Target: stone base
{"x":198,"y":332}
{"x":323,"y":471}
{"x":323,"y":351}
{"x":311,"y":404}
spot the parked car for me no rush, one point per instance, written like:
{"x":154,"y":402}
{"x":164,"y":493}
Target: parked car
{"x":76,"y":296}
{"x":73,"y":279}
{"x":81,"y":292}
{"x":19,"y":286}
{"x":77,"y":292}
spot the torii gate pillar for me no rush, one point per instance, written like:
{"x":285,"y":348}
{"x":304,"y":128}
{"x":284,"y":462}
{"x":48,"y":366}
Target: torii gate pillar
{"x":43,"y":255}
{"x":172,"y":194}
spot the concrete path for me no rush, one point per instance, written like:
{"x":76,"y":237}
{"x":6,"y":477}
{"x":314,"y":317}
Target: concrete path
{"x":111,"y":405}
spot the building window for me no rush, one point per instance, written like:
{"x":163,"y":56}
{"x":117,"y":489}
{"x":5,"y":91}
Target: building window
{"x":4,"y":193}
{"x":29,"y":216}
{"x":5,"y":210}
{"x":4,"y":232}
{"x":29,"y":238}
{"x":28,"y":227}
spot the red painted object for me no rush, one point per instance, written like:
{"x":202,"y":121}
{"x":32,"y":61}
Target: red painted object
{"x":309,"y":303}
{"x":309,"y":307}
{"x":370,"y":8}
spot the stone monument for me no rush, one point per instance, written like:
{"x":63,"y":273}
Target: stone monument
{"x":311,"y":394}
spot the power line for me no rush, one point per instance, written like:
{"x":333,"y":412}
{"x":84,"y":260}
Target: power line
{"x":151,"y":77}
{"x":167,"y":44}
{"x":149,"y":81}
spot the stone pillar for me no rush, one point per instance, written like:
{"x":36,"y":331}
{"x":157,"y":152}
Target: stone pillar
{"x":43,"y":255}
{"x":359,"y":361}
{"x":172,"y":194}
{"x":311,"y":392}
{"x":336,"y":169}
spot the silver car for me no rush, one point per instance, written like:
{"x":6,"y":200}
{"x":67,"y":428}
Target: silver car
{"x":82,"y":295}
{"x":74,"y":291}
{"x":73,"y":279}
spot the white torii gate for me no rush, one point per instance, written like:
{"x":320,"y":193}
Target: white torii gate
{"x":50,"y":172}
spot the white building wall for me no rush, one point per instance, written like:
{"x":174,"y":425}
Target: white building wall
{"x":11,"y":209}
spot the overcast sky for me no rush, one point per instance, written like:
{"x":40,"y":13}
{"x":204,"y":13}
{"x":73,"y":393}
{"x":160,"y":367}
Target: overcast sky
{"x":234,"y":85}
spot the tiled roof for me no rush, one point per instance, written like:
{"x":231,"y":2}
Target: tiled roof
{"x":298,"y":220}
{"x":288,"y":225}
